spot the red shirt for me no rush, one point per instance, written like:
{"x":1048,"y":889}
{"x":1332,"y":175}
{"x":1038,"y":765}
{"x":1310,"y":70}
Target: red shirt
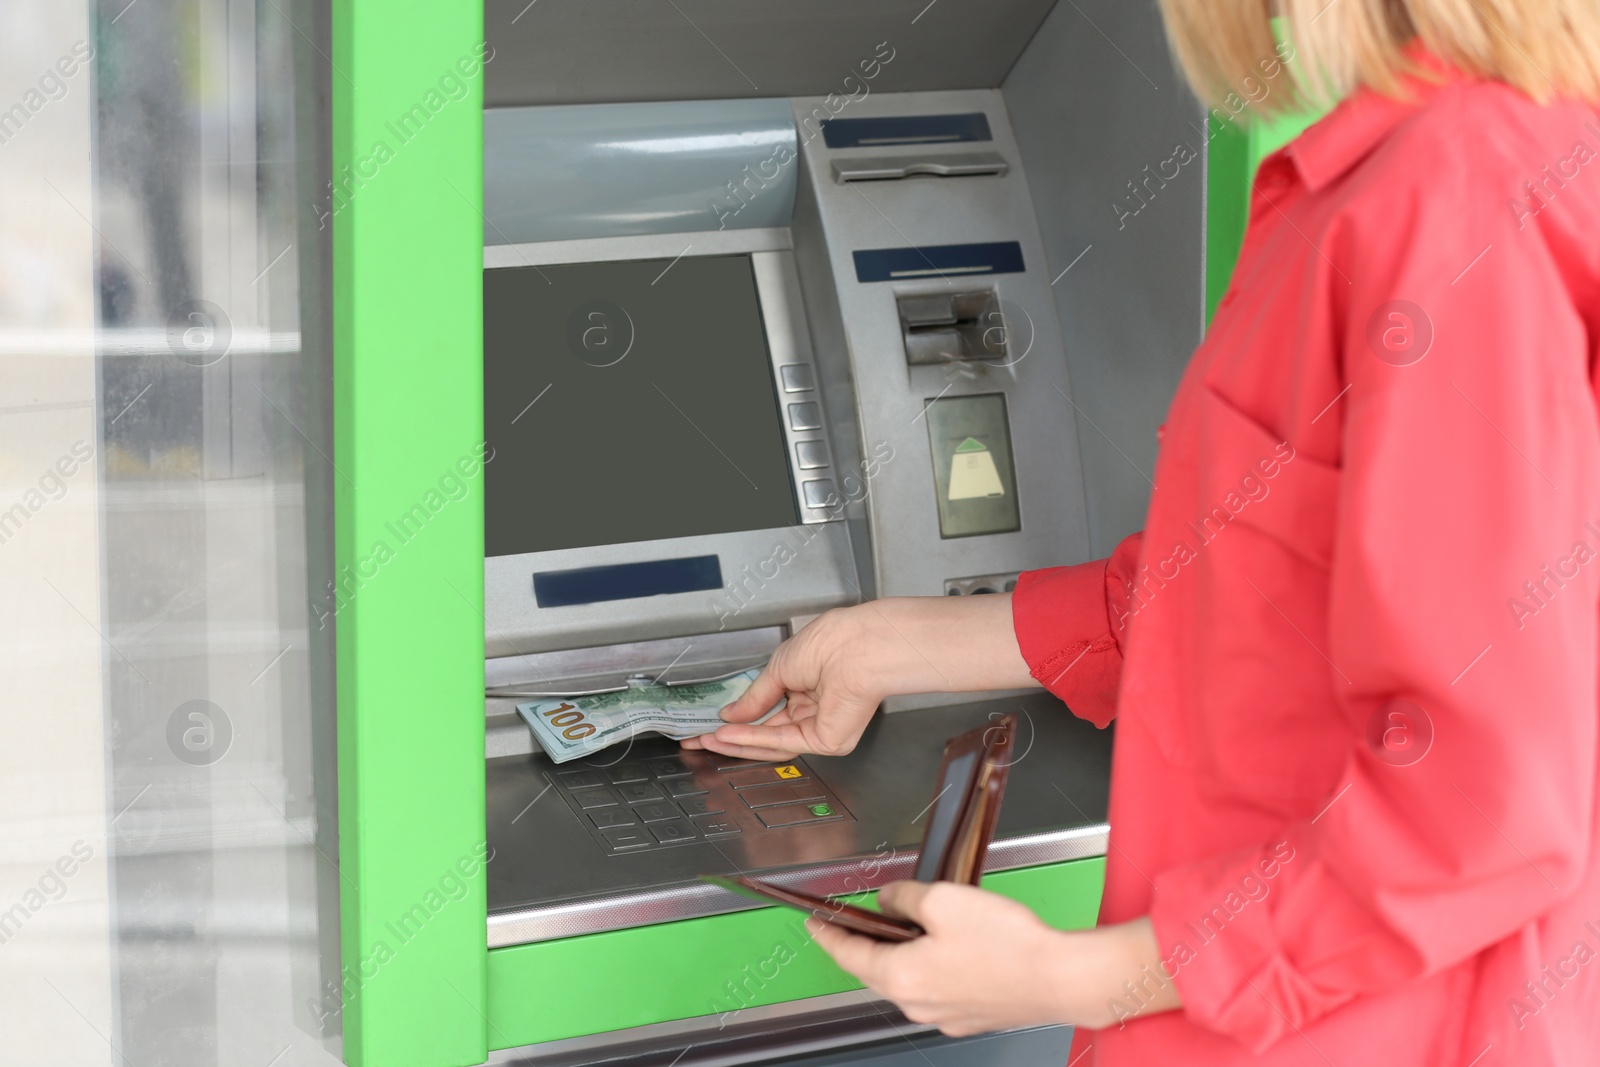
{"x":1355,"y":656}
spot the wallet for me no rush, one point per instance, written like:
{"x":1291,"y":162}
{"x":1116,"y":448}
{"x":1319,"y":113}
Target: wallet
{"x":961,"y":819}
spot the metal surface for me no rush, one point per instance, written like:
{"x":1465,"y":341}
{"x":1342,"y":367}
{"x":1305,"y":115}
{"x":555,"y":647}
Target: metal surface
{"x":794,"y":1028}
{"x":769,"y":575}
{"x":870,"y":389}
{"x":1128,"y":288}
{"x":547,"y":922}
{"x":599,"y":170}
{"x":572,"y":52}
{"x":945,"y":165}
{"x":549,"y":878}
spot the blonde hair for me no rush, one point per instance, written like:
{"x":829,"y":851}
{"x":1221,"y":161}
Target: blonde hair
{"x":1545,"y":48}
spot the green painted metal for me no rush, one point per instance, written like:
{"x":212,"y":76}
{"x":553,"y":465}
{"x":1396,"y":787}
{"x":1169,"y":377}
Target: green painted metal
{"x":1228,"y":173}
{"x":407,"y":599}
{"x":717,"y":965}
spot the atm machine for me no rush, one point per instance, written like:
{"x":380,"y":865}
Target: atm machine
{"x":747,"y":355}
{"x":729,"y":431}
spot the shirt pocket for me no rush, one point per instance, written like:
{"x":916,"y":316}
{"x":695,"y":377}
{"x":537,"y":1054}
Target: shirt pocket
{"x":1265,"y":725}
{"x":1248,"y":474}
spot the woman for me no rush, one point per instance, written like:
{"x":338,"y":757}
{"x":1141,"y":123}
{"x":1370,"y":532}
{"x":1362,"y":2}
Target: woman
{"x":1355,"y":654}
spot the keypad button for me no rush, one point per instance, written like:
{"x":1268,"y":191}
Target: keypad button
{"x":797,"y":815}
{"x":811,"y":454}
{"x":627,"y":772}
{"x":626,"y":838}
{"x":784,"y":772}
{"x":763,"y":796}
{"x":717,"y":825}
{"x":638,"y":792}
{"x":657,"y":812}
{"x":819,"y":493}
{"x":667,"y":767}
{"x":805,"y":417}
{"x":701,"y":805}
{"x":683,"y":787}
{"x":612,"y":817}
{"x":668,"y":832}
{"x":581,"y":779}
{"x":594,"y":798}
{"x":797,"y":377}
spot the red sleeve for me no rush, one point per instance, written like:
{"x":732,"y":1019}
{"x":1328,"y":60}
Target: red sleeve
{"x":1465,"y":583}
{"x":1069,"y":623}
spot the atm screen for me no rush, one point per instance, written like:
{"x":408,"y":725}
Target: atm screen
{"x":628,"y":401}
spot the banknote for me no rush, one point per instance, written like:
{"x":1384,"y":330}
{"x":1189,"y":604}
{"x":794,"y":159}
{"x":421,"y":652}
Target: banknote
{"x":576,"y":726}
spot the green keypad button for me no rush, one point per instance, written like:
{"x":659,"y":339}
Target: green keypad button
{"x":821,"y":809}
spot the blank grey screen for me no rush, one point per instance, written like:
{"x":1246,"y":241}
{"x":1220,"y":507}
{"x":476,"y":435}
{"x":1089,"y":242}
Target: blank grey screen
{"x":628,"y":402}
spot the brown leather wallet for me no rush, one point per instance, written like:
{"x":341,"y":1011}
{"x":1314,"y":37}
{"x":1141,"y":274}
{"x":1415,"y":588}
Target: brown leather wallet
{"x":961,"y":818}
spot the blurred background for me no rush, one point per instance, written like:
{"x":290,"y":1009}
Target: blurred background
{"x":163,"y":301}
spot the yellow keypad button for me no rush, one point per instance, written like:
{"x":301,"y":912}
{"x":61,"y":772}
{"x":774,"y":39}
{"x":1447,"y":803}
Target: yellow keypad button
{"x":790,"y":771}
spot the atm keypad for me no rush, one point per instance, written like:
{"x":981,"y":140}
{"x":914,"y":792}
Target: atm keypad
{"x":657,"y":802}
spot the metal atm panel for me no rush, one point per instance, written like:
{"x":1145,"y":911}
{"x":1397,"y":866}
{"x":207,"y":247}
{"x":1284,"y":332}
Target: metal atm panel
{"x":909,"y":335}
{"x":901,"y":238}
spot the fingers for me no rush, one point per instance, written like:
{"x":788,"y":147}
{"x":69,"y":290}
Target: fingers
{"x":713,"y":743}
{"x":908,"y":900}
{"x":777,"y":737}
{"x":764,"y":692}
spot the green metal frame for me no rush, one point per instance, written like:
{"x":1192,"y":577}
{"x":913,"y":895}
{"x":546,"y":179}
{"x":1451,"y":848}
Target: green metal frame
{"x":408,"y":603}
{"x":719,"y":965}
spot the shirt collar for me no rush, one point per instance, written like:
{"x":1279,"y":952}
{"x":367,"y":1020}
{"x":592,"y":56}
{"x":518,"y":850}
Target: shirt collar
{"x":1359,"y":124}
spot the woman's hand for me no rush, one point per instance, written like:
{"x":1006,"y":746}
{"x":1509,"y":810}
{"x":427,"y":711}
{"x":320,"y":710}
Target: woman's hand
{"x":988,"y":963}
{"x":836,"y":671}
{"x":826,"y":673}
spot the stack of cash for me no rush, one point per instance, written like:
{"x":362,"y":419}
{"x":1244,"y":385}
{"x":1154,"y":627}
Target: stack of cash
{"x":577,"y":726}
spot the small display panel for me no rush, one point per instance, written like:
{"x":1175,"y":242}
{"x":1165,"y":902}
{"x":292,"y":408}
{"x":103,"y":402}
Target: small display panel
{"x":629,"y":401}
{"x":973,"y":476}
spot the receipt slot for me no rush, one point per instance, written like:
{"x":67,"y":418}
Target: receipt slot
{"x":700,"y":364}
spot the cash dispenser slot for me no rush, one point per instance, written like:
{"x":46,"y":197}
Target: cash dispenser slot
{"x":939,"y":328}
{"x":892,"y":168}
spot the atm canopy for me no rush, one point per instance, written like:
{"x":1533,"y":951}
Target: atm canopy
{"x":603,"y":51}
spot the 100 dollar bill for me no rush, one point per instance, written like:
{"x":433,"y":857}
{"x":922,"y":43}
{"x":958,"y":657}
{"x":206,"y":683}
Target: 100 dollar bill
{"x":577,"y":726}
